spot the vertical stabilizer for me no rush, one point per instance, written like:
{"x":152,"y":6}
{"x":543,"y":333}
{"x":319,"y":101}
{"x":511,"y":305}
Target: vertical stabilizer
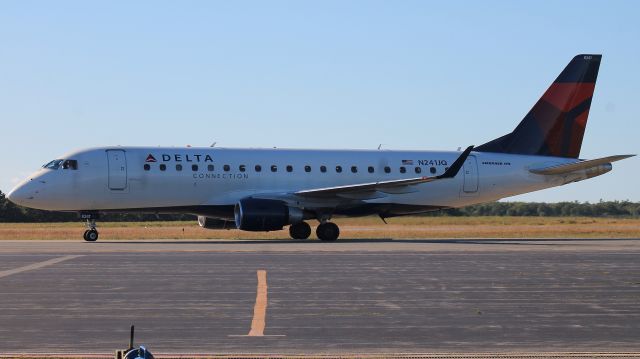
{"x":556,"y":123}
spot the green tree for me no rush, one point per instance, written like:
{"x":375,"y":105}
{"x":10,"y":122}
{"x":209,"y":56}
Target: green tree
{"x":9,"y":212}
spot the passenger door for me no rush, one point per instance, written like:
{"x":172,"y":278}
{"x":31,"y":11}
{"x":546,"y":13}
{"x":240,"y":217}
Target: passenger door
{"x":117,"y":169}
{"x":470,"y":176}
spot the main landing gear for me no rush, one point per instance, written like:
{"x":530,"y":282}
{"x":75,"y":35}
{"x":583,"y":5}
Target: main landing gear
{"x":301,"y":230}
{"x":326,"y":231}
{"x":91,"y":234}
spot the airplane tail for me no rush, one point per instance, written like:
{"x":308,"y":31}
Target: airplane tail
{"x":556,"y":123}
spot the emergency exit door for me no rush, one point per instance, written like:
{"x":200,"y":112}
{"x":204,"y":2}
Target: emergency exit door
{"x":470,"y":175}
{"x":117,"y":169}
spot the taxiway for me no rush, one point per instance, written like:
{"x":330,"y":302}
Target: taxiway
{"x":353,"y":296}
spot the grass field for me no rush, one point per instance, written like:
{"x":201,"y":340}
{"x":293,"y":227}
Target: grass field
{"x":367,"y":227}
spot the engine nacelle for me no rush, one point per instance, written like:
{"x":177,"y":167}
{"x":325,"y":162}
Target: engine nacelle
{"x":215,"y":223}
{"x":265,"y":214}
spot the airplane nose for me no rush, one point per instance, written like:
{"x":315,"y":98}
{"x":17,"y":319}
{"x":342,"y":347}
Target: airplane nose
{"x":20,"y":195}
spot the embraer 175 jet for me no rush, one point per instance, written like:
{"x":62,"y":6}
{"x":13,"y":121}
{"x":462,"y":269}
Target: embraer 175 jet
{"x":268,"y":189}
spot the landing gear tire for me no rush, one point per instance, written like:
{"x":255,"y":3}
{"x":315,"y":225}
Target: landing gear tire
{"x":300,"y":230}
{"x":90,"y":235}
{"x":328,"y":231}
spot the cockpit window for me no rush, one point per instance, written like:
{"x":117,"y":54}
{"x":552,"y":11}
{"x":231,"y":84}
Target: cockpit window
{"x":70,"y":165}
{"x":53,"y":165}
{"x":65,"y":164}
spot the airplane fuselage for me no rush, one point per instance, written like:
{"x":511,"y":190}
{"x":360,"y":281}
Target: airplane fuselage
{"x":210,"y":181}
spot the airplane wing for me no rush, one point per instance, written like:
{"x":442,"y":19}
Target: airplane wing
{"x":580,"y":165}
{"x":384,"y":186}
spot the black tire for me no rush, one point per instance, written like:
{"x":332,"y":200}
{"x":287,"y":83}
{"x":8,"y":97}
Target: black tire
{"x":300,"y":230}
{"x":328,"y":231}
{"x":85,"y":235}
{"x":91,"y":235}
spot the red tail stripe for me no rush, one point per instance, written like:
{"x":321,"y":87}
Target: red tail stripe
{"x":577,"y":133}
{"x":566,"y":96}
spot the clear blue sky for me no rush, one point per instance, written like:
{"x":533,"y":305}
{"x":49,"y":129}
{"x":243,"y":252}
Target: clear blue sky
{"x":324,"y":74}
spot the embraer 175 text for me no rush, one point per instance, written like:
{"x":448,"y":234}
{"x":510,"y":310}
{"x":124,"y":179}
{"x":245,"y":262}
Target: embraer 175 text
{"x":268,"y":189}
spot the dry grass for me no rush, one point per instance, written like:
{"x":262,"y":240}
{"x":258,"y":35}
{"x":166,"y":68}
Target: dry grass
{"x":368,"y":227}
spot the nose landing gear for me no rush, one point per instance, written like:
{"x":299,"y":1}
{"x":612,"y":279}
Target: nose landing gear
{"x":91,"y":234}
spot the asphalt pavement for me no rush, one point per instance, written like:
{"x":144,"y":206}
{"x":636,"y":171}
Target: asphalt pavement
{"x":360,"y":296}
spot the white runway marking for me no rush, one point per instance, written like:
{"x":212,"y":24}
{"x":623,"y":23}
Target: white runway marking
{"x":35,"y":266}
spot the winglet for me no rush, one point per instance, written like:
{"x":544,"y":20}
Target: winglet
{"x":457,"y":165}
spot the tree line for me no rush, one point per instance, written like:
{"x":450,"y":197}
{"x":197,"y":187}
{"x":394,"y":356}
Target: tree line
{"x":10,"y":212}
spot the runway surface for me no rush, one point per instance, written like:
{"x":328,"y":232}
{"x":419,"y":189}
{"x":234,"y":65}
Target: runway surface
{"x":354,"y":296}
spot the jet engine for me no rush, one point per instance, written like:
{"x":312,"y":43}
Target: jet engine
{"x":253,"y":214}
{"x":215,"y":223}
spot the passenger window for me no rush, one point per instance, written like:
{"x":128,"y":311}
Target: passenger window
{"x":274,"y":168}
{"x":210,"y":168}
{"x":289,"y":168}
{"x":178,"y":167}
{"x":354,"y":169}
{"x":323,"y":169}
{"x":226,"y":168}
{"x":70,"y":164}
{"x":147,"y":167}
{"x":432,"y":170}
{"x":403,"y":169}
{"x":307,"y":168}
{"x":163,"y":167}
{"x":258,"y":168}
{"x":242,"y":168}
{"x":387,"y":169}
{"x":370,"y":169}
{"x":339,"y":169}
{"x":194,"y":168}
{"x":418,"y":170}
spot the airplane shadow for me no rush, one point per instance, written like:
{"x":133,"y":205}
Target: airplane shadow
{"x":280,"y":242}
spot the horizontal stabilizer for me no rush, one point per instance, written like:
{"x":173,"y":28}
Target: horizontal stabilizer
{"x":576,"y":166}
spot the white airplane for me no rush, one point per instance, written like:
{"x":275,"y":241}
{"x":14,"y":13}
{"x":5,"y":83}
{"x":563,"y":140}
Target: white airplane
{"x":268,"y":189}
